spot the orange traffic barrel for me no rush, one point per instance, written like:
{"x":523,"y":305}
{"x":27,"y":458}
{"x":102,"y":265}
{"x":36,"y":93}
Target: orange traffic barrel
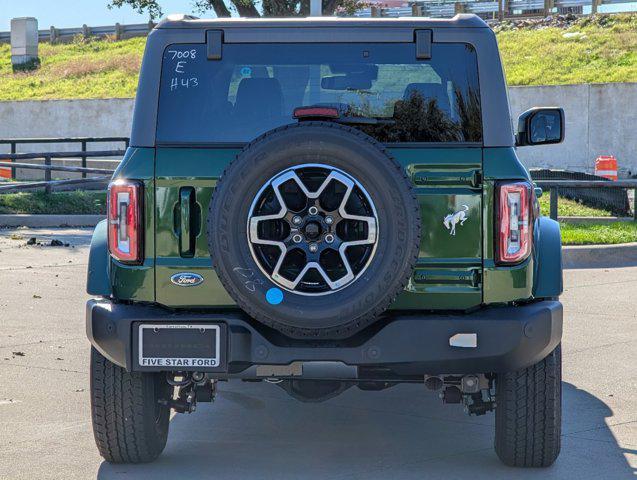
{"x":606,"y":166}
{"x":5,"y":172}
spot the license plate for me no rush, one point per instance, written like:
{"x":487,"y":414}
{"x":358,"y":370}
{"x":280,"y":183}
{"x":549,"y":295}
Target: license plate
{"x":179,"y":345}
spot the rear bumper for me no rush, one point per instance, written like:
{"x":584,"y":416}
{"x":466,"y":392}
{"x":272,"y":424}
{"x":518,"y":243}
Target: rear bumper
{"x":508,"y":338}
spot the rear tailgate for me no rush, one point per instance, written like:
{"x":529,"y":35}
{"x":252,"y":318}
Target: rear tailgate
{"x":449,"y":270}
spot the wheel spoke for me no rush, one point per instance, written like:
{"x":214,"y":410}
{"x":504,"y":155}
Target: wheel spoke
{"x":370,"y":221}
{"x":253,"y":228}
{"x":292,"y":284}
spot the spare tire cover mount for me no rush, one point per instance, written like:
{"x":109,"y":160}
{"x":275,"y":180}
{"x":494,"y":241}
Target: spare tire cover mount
{"x":314,"y":229}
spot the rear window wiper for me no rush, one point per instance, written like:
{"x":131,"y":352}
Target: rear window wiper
{"x":333,"y":114}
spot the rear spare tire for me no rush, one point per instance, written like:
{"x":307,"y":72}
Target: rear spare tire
{"x":314,"y":229}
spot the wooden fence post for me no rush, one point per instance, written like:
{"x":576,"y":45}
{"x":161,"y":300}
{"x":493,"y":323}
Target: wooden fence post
{"x":594,"y":5}
{"x":84,"y":157}
{"x":47,"y":174}
{"x":53,"y":35}
{"x":553,"y":203}
{"x":548,"y":6}
{"x":118,"y":31}
{"x":13,"y":150}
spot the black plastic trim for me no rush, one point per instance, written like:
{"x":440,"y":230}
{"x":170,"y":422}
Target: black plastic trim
{"x":214,"y":44}
{"x":509,"y":338}
{"x":423,"y":44}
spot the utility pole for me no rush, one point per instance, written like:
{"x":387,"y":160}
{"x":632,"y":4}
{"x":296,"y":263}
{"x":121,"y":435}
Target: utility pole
{"x":316,"y":8}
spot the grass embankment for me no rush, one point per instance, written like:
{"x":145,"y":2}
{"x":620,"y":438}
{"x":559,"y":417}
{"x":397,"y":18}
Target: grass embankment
{"x":594,"y":49}
{"x":586,"y":234}
{"x":81,"y":69}
{"x":601,"y":48}
{"x":89,"y":203}
{"x":611,"y":233}
{"x":570,"y":208}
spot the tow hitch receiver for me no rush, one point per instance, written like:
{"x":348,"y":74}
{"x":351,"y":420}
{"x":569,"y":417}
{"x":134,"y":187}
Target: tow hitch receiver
{"x":192,"y":388}
{"x":477,"y":392}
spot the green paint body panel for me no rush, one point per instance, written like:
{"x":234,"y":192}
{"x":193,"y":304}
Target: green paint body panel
{"x":452,"y":273}
{"x":449,"y":268}
{"x":179,"y":168}
{"x":137,"y":282}
{"x":447,"y":275}
{"x":502,"y":284}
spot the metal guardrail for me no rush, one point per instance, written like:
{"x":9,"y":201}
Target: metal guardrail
{"x":118,"y":31}
{"x":83,"y":141}
{"x":501,"y":9}
{"x":554,"y":185}
{"x":428,"y":8}
{"x":12,"y":160}
{"x":48,"y":167}
{"x":50,"y":184}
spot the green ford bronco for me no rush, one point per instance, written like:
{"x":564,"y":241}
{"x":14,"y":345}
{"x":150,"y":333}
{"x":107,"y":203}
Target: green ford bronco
{"x":322,"y":204}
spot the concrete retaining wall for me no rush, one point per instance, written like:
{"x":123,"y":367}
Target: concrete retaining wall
{"x":600,"y":119}
{"x":65,"y":118}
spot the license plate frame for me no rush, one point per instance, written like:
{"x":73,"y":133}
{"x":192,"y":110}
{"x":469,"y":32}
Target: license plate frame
{"x":185,"y":362}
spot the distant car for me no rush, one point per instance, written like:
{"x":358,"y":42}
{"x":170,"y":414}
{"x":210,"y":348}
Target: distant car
{"x":326,"y":203}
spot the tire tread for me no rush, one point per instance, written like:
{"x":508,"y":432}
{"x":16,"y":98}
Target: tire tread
{"x":528,"y":413}
{"x":120,"y":405}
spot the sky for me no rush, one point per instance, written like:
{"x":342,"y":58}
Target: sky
{"x":75,"y":13}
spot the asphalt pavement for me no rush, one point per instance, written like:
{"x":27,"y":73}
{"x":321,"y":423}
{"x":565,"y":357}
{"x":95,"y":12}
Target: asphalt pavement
{"x":255,"y":431}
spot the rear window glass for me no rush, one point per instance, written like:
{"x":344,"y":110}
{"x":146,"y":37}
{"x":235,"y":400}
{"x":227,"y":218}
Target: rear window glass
{"x":255,"y":87}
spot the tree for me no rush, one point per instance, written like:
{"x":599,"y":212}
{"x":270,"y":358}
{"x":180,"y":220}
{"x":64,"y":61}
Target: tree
{"x":248,"y":8}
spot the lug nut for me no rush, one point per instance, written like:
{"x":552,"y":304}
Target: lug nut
{"x":329,"y":238}
{"x":313,"y":247}
{"x":296,"y":220}
{"x":297,"y":238}
{"x":313,"y":210}
{"x":329,"y":220}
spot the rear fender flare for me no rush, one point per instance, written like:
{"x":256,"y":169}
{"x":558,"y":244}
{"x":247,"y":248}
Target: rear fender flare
{"x":547,"y":277}
{"x":98,"y":280}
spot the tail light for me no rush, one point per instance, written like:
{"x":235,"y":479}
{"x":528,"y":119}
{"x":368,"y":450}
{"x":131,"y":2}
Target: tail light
{"x":514,"y":238}
{"x":125,"y":221}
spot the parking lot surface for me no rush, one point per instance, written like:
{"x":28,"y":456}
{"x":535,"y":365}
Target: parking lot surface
{"x":255,"y":431}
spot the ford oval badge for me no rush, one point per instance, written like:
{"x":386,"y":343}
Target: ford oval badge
{"x":186,"y":279}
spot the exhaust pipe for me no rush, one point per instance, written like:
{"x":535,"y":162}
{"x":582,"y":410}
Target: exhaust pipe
{"x":433,"y":383}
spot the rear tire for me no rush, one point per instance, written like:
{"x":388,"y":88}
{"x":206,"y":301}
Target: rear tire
{"x":528,"y":421}
{"x":129,"y":424}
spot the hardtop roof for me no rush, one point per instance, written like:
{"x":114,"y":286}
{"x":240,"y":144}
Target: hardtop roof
{"x":187,"y":21}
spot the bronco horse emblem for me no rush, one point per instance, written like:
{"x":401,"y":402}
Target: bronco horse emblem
{"x":453,"y":219}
